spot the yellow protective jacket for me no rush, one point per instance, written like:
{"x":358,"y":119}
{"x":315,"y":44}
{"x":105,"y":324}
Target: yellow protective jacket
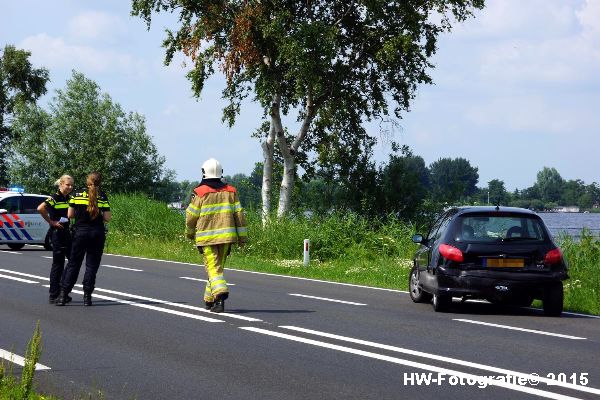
{"x":215,"y":216}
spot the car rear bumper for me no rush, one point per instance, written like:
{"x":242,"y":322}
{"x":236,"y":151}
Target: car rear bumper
{"x":495,"y":284}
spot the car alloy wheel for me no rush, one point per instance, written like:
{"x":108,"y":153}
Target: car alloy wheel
{"x":416,"y":293}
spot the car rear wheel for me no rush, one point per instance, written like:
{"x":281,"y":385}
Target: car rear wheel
{"x":441,"y":302}
{"x":16,"y":246}
{"x":416,"y":293}
{"x":553,"y":300}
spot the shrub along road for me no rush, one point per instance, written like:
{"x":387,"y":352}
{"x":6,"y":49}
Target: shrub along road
{"x":148,"y":337}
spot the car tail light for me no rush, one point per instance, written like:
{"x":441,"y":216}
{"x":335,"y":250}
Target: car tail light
{"x":451,"y":253}
{"x":553,"y":256}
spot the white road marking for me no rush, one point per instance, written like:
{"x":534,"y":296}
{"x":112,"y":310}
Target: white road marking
{"x":189,"y":278}
{"x":14,"y":278}
{"x":413,"y":364}
{"x":501,"y":371}
{"x":124,"y":268}
{"x":514,"y":328}
{"x":185,"y":306}
{"x":11,"y":252}
{"x":150,"y":307}
{"x":269,"y":274}
{"x":24,"y":274}
{"x":49,"y":257}
{"x":327,"y":299}
{"x":7,"y":355}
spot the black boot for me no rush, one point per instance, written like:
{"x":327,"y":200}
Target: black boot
{"x":208,"y":305}
{"x":62,"y":298}
{"x":219,"y":305}
{"x":87,"y":299}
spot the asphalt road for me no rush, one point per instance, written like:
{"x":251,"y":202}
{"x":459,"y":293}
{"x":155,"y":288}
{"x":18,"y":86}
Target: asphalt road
{"x":148,"y":337}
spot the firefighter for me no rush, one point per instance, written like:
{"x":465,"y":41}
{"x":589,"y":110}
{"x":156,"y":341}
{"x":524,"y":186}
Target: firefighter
{"x":91,"y":211}
{"x":54,"y":211}
{"x":215,"y":220}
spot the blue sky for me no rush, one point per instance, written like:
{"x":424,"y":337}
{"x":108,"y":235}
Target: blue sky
{"x":516,"y":89}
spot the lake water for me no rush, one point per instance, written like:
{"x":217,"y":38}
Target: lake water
{"x":571,"y":223}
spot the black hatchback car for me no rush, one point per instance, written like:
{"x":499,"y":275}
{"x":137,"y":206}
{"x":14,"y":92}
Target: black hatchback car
{"x":502,"y":254}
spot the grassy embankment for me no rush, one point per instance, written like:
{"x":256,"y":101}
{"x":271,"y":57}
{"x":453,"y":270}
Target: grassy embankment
{"x":344,"y":248}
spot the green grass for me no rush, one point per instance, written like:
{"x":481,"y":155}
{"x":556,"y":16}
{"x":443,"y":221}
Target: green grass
{"x":344,"y":248}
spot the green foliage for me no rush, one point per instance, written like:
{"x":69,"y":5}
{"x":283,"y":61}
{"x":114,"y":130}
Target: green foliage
{"x":582,"y":290}
{"x":452,"y":180}
{"x":550,"y":184}
{"x":20,"y":84}
{"x":85,"y":131}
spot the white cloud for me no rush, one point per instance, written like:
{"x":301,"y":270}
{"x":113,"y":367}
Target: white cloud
{"x":55,"y":52}
{"x":96,"y":26}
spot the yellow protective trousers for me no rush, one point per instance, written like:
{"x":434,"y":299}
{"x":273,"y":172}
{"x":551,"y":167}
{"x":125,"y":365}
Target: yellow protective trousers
{"x":214,"y":261}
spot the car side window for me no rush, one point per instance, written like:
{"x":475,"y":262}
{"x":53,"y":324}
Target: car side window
{"x":29,"y":204}
{"x":11,"y":204}
{"x":441,"y":225}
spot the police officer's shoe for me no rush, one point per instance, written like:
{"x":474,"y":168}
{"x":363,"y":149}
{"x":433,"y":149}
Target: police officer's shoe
{"x":87,"y":299}
{"x":52,"y":299}
{"x":62,"y":298}
{"x":208,"y":305}
{"x":219,"y":306}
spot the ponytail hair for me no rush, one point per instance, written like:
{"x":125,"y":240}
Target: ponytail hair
{"x":63,"y":179}
{"x":93,"y":182}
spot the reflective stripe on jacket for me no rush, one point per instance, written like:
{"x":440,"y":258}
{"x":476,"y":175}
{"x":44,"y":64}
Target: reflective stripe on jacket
{"x":215,"y":216}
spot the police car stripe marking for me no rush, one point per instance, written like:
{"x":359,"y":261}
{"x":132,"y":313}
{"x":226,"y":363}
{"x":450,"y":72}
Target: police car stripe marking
{"x":6,"y":235}
{"x":12,"y":357}
{"x":10,"y":227}
{"x":21,"y":225}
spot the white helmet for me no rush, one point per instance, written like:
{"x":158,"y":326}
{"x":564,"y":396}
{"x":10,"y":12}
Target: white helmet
{"x":212,"y":169}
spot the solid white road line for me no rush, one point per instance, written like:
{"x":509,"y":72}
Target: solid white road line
{"x":189,"y":278}
{"x":7,"y":355}
{"x":48,"y":257}
{"x":514,"y":328}
{"x":154,"y":259}
{"x":24,"y":274}
{"x":11,"y":252}
{"x":327,"y":299}
{"x":225,"y":314}
{"x":501,"y":371}
{"x":151,"y":307}
{"x":123,"y":268}
{"x":413,"y":364}
{"x":14,"y":278}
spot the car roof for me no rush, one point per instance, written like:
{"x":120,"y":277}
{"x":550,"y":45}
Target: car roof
{"x":494,"y":209}
{"x":11,"y":193}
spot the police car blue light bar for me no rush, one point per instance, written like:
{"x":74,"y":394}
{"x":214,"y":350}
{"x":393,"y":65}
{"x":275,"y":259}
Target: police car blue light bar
{"x":18,"y":189}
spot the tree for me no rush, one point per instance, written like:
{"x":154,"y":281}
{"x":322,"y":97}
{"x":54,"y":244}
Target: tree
{"x":452,"y":180}
{"x":404,"y":181}
{"x":84,"y":131}
{"x":20,"y":83}
{"x":497,"y":192}
{"x":318,"y":58}
{"x":550,"y":185}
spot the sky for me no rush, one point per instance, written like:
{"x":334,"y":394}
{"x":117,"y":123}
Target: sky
{"x":516,"y":89}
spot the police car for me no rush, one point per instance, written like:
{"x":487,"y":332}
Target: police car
{"x":20,"y":221}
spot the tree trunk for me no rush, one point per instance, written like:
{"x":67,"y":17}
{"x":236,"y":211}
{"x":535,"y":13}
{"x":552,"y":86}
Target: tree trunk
{"x":289,"y":156}
{"x":268,"y":147}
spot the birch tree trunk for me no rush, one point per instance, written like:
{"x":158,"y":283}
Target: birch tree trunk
{"x":289,"y":156}
{"x":268,"y":147}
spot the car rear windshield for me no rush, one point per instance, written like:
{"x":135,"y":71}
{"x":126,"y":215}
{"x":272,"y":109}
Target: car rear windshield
{"x":497,"y":227}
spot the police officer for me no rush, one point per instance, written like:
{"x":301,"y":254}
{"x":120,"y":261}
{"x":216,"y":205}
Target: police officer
{"x":54,"y":211}
{"x":215,"y":220}
{"x":91,"y":211}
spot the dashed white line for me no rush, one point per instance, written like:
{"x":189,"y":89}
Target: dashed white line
{"x":7,"y":355}
{"x":14,"y":278}
{"x":413,"y":364}
{"x":469,"y":364}
{"x":11,"y":252}
{"x":48,"y":257}
{"x":24,"y":274}
{"x":189,"y":278}
{"x":123,"y":268}
{"x":514,"y":328}
{"x":327,"y":299}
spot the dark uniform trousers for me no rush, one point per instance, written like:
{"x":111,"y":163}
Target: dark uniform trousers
{"x":88,"y":242}
{"x":61,"y":248}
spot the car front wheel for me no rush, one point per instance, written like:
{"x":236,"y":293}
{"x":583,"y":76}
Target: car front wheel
{"x":553,"y":300}
{"x":16,"y":246}
{"x":441,"y":302}
{"x":416,"y":293}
